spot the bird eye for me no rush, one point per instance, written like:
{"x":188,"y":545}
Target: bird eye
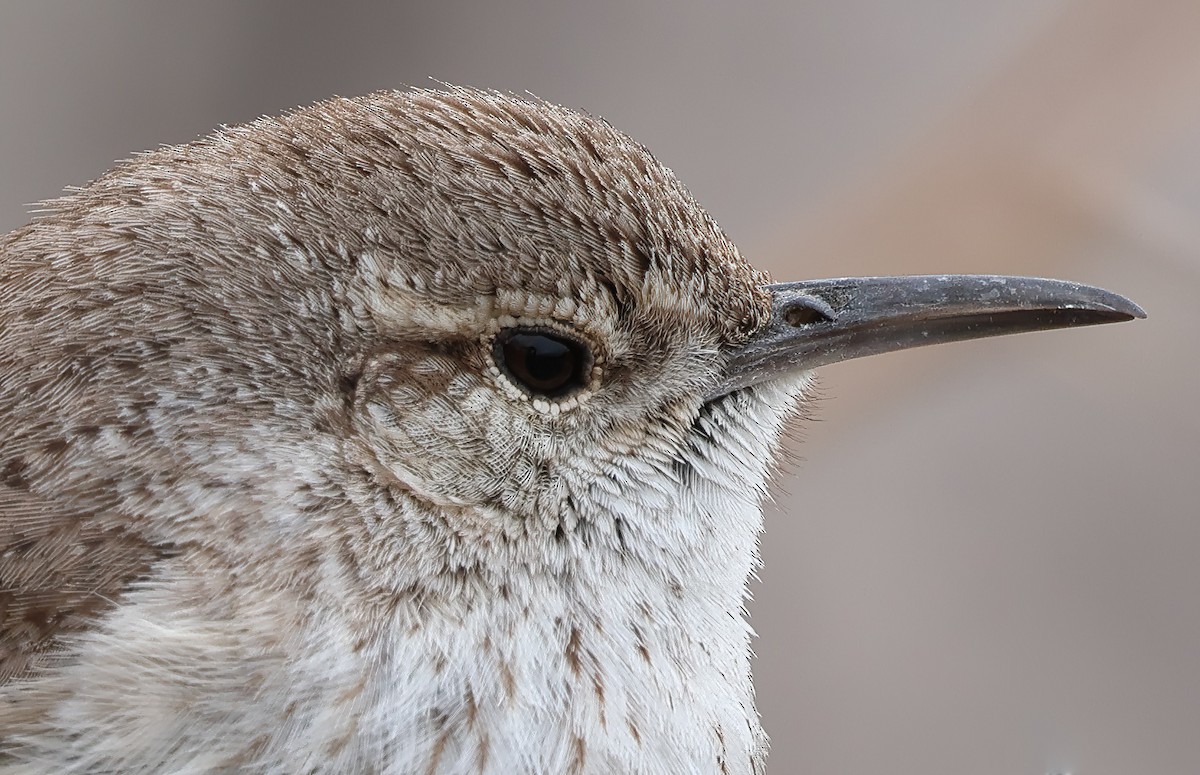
{"x":546,"y":363}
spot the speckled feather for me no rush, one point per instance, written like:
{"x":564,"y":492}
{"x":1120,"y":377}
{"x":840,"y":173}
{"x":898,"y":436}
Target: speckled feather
{"x":268,"y":505}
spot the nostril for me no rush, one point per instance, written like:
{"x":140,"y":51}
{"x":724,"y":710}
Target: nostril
{"x":805,"y":312}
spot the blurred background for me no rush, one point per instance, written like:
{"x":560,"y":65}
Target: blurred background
{"x":985,"y":557}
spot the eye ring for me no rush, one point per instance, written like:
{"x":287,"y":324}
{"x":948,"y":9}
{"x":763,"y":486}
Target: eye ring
{"x":544,"y":362}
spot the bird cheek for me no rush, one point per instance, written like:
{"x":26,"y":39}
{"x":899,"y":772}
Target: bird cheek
{"x":425,"y":446}
{"x":458,"y":442}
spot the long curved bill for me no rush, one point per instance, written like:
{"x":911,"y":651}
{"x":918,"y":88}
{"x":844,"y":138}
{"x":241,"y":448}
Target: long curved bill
{"x":818,"y":322}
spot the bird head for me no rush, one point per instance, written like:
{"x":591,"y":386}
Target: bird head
{"x":495,"y":331}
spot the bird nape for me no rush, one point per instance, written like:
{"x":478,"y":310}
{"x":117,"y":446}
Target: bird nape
{"x":419,"y":432}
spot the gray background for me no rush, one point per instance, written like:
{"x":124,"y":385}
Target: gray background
{"x":984,"y":557}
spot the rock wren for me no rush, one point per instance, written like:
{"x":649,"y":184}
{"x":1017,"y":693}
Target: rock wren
{"x":423,"y":432}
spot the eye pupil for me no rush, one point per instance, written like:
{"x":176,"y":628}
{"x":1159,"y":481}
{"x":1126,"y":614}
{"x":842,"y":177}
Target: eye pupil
{"x":546,"y":360}
{"x":545,"y":363}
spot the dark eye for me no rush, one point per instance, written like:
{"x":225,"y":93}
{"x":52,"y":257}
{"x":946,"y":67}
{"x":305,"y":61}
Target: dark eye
{"x":544,"y":362}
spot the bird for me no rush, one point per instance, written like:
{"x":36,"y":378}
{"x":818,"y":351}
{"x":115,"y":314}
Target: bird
{"x":426,"y":431}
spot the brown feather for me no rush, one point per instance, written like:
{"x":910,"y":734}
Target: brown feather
{"x":59,"y":569}
{"x":69,"y":401}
